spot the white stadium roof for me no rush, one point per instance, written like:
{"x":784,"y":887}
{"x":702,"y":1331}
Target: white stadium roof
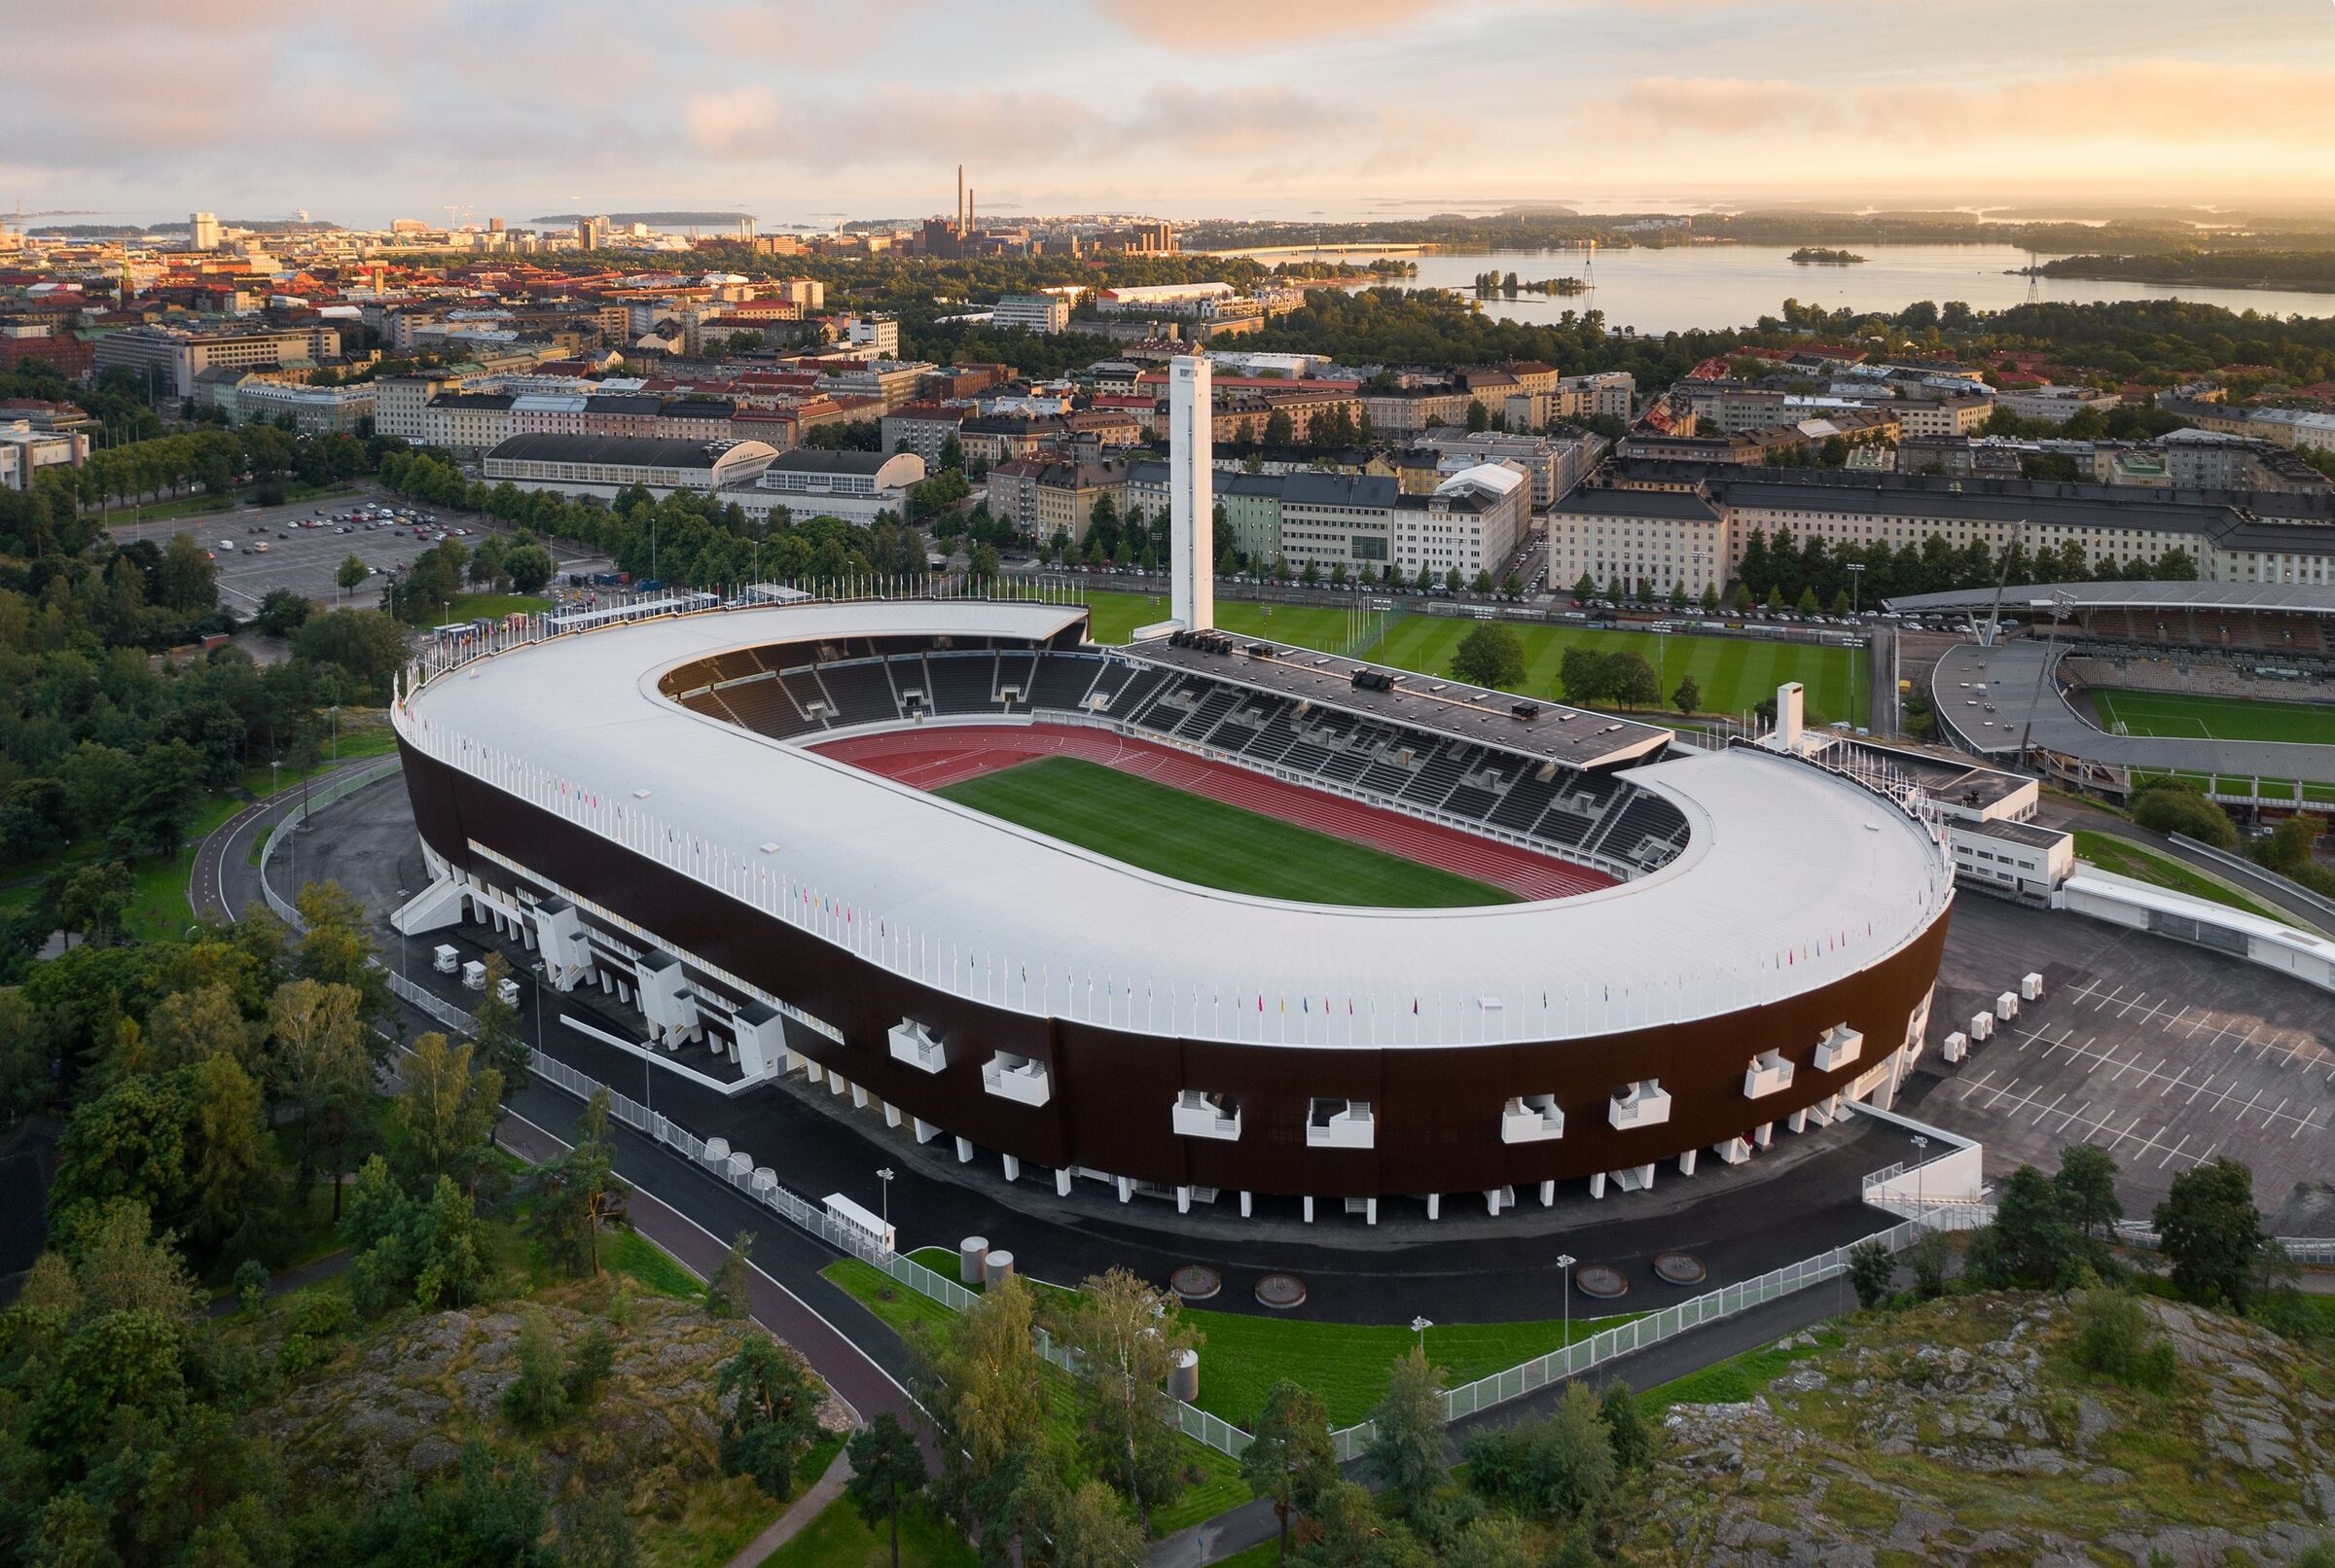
{"x":1792,"y":877}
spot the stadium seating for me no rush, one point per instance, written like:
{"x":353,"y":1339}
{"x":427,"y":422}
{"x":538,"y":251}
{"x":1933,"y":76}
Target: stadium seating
{"x":861,"y":693}
{"x":1591,"y":816}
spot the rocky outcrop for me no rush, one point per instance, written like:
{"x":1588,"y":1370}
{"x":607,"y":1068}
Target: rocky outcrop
{"x":1964,"y":1431}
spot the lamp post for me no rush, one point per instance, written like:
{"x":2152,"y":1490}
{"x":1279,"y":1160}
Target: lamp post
{"x":1921,"y":1144}
{"x":1856,"y":580}
{"x":1419,"y":1327}
{"x":1565,"y":1265}
{"x":886,"y":1176}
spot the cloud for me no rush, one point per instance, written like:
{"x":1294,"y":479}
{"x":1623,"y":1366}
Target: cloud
{"x":1205,"y":26}
{"x":758,"y":123}
{"x":2183,"y":104}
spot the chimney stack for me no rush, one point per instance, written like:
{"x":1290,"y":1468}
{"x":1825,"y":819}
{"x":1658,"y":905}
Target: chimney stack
{"x":960,"y":200}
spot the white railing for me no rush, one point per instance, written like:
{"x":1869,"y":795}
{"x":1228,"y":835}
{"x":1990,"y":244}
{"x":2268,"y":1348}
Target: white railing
{"x":2298,"y":1249}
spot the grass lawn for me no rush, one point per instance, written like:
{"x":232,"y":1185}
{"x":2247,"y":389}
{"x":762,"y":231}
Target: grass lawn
{"x":1245,"y":1353}
{"x":1114,"y":617}
{"x":473,"y":606}
{"x":836,"y":1538}
{"x":2185,"y":716}
{"x":648,"y":1266}
{"x":1733,"y":673}
{"x":2121,"y":857}
{"x":1206,"y":841}
{"x":201,"y":505}
{"x":1219,"y":1486}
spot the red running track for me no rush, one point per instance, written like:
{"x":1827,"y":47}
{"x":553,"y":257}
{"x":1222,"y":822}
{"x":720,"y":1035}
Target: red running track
{"x":934,"y":759}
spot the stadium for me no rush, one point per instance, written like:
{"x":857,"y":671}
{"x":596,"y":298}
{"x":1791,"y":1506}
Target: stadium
{"x":1198,"y":917}
{"x":2228,"y":684}
{"x":734,"y":820}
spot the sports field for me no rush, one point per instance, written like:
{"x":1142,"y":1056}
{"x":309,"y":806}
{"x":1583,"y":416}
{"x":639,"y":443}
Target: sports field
{"x":2185,"y":716}
{"x":1196,"y":840}
{"x":1733,"y":673}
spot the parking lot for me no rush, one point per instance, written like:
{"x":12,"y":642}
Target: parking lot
{"x":2164,"y":1054}
{"x":306,"y":560}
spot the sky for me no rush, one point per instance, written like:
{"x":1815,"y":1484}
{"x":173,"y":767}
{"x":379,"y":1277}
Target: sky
{"x":807,"y":110}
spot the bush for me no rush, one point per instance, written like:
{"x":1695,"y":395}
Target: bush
{"x":588,"y":1366}
{"x":537,"y":1397}
{"x":251,"y":1284}
{"x":1872,"y":1270}
{"x":2170,"y":805}
{"x":324,"y":1314}
{"x":2115,"y":1338}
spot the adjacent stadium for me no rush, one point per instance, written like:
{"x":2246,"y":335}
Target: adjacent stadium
{"x":1202,"y":915}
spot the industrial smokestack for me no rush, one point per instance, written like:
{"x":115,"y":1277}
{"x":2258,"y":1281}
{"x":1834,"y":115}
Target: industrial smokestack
{"x":970,"y":220}
{"x":960,"y":200}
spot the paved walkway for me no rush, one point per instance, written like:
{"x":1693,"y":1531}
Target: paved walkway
{"x":798,"y":1516}
{"x":214,"y":886}
{"x":286,"y":1282}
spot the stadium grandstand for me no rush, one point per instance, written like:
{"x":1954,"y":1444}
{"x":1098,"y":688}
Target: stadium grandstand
{"x":2230,"y":685}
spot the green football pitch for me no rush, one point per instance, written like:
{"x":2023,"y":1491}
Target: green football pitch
{"x":1733,"y":674}
{"x":2185,"y":716}
{"x":1196,"y":840}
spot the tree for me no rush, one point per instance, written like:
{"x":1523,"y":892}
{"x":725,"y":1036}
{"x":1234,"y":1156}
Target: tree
{"x":983,"y":1382}
{"x":228,"y":1156}
{"x":323,"y":1067}
{"x":1279,"y":429}
{"x":1407,"y":1449}
{"x":725,"y":1293}
{"x":2208,"y":1228}
{"x":1688,"y":697}
{"x":351,"y":575}
{"x":2031,"y":1236}
{"x":772,"y":1414}
{"x":2087,"y":1188}
{"x":1807,"y":602}
{"x":1127,"y":1337}
{"x":1585,"y":586}
{"x":94,"y":899}
{"x":537,"y":1398}
{"x":1290,"y":1460}
{"x":496,"y":1031}
{"x":281,"y":612}
{"x":446,"y":1114}
{"x":580,"y":1195}
{"x":1490,"y":655}
{"x":449,"y":1249}
{"x":529,"y":567}
{"x":2171,"y":805}
{"x":165,"y":797}
{"x":1477,"y":418}
{"x":1710,"y":598}
{"x":1742,"y":598}
{"x":887,"y":1473}
{"x":1626,"y":1424}
{"x":185,"y":580}
{"x":1871,"y":1273}
{"x":1557,"y":1467}
{"x":129,"y":1142}
{"x":1090,"y":1525}
{"x":1452,"y":580}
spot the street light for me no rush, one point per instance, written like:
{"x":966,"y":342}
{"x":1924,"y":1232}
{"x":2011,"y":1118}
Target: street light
{"x":886,"y":1176}
{"x":1921,"y":1142}
{"x":1419,"y":1327}
{"x":1856,"y":580}
{"x":1565,"y":1264}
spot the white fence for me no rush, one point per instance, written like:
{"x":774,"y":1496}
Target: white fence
{"x":340,"y":786}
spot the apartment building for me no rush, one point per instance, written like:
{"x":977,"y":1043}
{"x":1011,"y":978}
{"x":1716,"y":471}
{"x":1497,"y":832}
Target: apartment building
{"x":178,"y":356}
{"x":469,"y":424}
{"x":1032,"y":312}
{"x":401,"y":403}
{"x":2057,"y":404}
{"x":314,"y":410}
{"x":1604,"y":394}
{"x":1692,"y":530}
{"x":924,"y":428}
{"x":881,"y":332}
{"x":25,"y":449}
{"x":1470,"y":523}
{"x":1044,"y":497}
{"x":2209,"y":460}
{"x":1555,"y":464}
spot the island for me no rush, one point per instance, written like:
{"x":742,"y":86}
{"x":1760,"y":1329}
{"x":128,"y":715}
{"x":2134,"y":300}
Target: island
{"x":1818,"y":256}
{"x":1507,"y":284}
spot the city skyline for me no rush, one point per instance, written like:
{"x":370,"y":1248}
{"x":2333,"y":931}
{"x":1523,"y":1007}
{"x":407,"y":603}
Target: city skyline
{"x":803,"y":112}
